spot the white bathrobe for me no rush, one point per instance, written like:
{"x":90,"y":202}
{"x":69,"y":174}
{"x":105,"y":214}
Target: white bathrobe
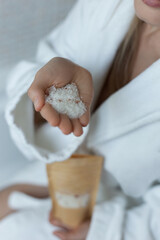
{"x":125,"y":129}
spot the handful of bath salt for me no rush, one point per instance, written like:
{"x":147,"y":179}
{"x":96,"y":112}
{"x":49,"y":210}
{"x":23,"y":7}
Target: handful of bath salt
{"x":66,"y":100}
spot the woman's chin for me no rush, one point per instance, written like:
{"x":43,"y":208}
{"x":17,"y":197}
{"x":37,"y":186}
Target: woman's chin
{"x":147,"y":14}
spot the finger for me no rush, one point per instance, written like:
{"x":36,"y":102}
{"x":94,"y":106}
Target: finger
{"x":50,"y":217}
{"x":60,"y":235}
{"x":37,"y":96}
{"x":61,"y":225}
{"x":38,"y":88}
{"x":84,"y":119}
{"x":70,"y":235}
{"x":77,"y":128}
{"x":75,"y":234}
{"x":65,"y":124}
{"x":78,"y":233}
{"x":50,"y":114}
{"x":57,"y":222}
{"x":85,"y":86}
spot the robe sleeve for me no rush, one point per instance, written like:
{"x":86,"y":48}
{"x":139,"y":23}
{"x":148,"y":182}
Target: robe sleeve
{"x":64,"y":41}
{"x":114,"y":220}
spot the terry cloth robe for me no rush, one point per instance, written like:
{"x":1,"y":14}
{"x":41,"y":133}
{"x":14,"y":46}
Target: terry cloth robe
{"x":125,"y":129}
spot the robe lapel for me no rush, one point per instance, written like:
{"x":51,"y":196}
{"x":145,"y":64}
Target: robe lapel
{"x":133,"y":106}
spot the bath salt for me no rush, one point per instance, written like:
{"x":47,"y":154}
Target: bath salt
{"x":72,"y":201}
{"x":66,"y":100}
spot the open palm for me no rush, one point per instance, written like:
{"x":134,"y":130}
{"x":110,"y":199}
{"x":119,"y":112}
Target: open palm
{"x":60,"y":72}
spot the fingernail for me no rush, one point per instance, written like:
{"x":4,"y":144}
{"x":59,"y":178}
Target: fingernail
{"x":36,"y":104}
{"x":58,"y":234}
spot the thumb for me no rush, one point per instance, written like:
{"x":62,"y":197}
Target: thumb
{"x":37,"y":96}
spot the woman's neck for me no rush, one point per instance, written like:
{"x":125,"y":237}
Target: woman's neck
{"x":152,"y":35}
{"x":151,"y":29}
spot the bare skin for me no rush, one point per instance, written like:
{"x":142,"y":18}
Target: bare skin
{"x":60,"y":72}
{"x":66,"y":233}
{"x":149,"y":46}
{"x":148,"y":51}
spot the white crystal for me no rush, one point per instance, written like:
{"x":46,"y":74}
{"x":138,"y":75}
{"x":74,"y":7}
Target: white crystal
{"x":66,"y":100}
{"x":72,"y":201}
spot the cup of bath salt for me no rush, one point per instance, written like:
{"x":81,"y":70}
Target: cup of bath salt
{"x":73,"y":186}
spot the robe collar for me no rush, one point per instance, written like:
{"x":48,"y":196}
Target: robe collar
{"x":133,"y":106}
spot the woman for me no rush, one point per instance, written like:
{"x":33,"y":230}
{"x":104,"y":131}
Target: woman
{"x":122,"y":53}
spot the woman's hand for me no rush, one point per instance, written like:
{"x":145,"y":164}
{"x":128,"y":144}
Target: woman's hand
{"x":66,"y":233}
{"x":60,"y":72}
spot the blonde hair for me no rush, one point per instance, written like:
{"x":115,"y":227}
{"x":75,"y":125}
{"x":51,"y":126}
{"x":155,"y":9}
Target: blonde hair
{"x":120,"y":70}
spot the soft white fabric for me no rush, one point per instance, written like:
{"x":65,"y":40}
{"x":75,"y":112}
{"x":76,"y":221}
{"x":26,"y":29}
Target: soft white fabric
{"x":11,"y":160}
{"x":19,"y":201}
{"x":129,"y":134}
{"x":125,"y":129}
{"x":112,"y":221}
{"x":31,"y":223}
